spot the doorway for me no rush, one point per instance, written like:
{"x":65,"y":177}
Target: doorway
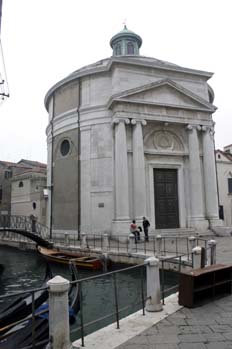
{"x":166,"y":198}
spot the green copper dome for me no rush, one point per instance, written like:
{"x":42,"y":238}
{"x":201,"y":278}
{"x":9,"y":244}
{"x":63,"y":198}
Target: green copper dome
{"x":126,"y":42}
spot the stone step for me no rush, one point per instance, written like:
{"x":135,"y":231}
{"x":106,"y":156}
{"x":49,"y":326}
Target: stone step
{"x":175,"y":232}
{"x":183,"y":232}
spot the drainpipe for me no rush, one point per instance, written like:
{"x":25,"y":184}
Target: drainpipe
{"x":78,"y":165}
{"x":51,"y":187}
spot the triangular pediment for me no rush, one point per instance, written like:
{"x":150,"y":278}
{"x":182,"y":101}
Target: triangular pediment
{"x":166,"y":93}
{"x":222,"y":156}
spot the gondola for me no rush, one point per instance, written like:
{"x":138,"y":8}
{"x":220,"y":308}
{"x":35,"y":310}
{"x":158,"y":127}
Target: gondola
{"x":22,"y":305}
{"x":35,"y":334}
{"x":61,"y":257}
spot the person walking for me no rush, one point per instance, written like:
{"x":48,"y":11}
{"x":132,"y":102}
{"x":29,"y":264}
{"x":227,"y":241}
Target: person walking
{"x":146,"y":225}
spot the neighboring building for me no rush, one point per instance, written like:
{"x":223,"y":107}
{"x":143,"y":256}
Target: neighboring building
{"x":224,"y":173}
{"x":7,"y":170}
{"x":10,"y":173}
{"x":130,"y":136}
{"x":27,"y":194}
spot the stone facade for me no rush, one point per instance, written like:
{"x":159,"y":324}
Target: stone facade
{"x":224,"y":173}
{"x":131,"y":136}
{"x":22,"y":187}
{"x":7,"y":172}
{"x":27,"y":194}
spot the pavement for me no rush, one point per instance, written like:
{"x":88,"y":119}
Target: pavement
{"x":207,"y":326}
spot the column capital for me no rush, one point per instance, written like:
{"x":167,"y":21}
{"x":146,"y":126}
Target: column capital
{"x":142,"y":121}
{"x":209,"y":129}
{"x":190,"y":127}
{"x":116,"y":121}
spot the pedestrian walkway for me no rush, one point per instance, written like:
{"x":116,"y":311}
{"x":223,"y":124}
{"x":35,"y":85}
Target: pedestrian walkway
{"x":205,"y":327}
{"x":208,"y":326}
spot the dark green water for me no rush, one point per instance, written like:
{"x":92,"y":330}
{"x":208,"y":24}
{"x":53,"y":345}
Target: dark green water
{"x":25,"y":270}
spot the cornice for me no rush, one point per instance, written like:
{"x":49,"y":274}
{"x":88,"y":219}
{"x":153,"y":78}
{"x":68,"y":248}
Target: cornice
{"x":121,"y":96}
{"x":97,"y":69}
{"x":33,"y":176}
{"x":162,"y":65}
{"x":165,"y":152}
{"x":156,"y":104}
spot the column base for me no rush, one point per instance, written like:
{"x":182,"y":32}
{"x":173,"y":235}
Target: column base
{"x":222,"y":231}
{"x":199,"y":223}
{"x":215,"y":222}
{"x":121,"y":227}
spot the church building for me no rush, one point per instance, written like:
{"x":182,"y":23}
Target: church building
{"x":131,"y":136}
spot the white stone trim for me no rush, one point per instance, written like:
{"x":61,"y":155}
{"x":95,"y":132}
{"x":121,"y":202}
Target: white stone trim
{"x":181,"y":185}
{"x":131,"y":326}
{"x":166,"y":153}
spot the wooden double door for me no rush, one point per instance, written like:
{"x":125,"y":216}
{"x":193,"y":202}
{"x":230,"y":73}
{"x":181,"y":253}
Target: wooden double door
{"x":166,"y":198}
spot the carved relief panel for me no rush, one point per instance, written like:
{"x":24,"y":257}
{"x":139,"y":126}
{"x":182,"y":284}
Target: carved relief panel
{"x":163,"y":141}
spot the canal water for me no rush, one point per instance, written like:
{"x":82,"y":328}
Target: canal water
{"x":26,"y":269}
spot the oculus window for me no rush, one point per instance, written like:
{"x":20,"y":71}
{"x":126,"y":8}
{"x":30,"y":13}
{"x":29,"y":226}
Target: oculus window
{"x":65,"y":147}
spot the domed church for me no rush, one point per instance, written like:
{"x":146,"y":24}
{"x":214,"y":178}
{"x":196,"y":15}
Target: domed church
{"x":131,"y":136}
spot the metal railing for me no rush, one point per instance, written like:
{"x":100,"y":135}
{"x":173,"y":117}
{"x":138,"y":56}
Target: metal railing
{"x":166,"y":245}
{"x":174,"y":245}
{"x":117,"y":312}
{"x":31,"y":317}
{"x":24,"y":223}
{"x":141,"y":301}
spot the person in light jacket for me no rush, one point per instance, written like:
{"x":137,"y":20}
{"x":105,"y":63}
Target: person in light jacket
{"x":134,"y":230}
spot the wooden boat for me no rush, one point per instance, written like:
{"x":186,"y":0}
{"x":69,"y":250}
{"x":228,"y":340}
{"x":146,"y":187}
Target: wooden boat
{"x":58,"y":256}
{"x":30,"y":334}
{"x":22,"y":305}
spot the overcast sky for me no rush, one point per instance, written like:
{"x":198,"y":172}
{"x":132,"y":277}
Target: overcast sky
{"x":45,"y":40}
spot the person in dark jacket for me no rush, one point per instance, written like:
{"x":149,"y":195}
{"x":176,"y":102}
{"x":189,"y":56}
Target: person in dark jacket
{"x":146,"y":225}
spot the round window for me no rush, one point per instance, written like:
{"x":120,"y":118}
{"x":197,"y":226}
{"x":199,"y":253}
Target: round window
{"x":65,"y":147}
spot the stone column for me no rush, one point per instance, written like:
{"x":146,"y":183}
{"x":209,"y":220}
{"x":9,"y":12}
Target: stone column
{"x":121,"y":170}
{"x":210,"y":180}
{"x":196,"y":188}
{"x":139,"y":186}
